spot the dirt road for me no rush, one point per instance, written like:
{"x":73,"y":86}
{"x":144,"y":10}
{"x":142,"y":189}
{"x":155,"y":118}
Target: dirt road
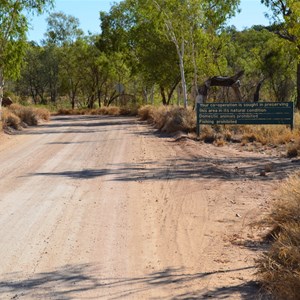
{"x":103,"y":208}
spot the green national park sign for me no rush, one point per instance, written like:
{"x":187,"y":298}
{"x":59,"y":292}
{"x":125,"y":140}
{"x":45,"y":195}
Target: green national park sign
{"x":245,"y":113}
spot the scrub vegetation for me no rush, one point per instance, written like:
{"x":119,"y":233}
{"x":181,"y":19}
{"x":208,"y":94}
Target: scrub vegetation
{"x":18,"y":116}
{"x":279,"y":268}
{"x":149,"y":59}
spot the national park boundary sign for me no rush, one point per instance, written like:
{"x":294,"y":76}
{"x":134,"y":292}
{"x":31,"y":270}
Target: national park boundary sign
{"x":245,"y":113}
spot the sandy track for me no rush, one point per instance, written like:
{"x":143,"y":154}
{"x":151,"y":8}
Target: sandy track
{"x":102,"y":208}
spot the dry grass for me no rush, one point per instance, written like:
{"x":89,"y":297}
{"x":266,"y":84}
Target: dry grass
{"x":146,"y":112}
{"x":42,"y":114}
{"x":279,"y":268}
{"x":174,"y":118}
{"x":292,"y":151}
{"x":67,"y":111}
{"x":109,"y":111}
{"x":18,"y":116}
{"x":26,"y":114}
{"x":269,"y":134}
{"x":9,"y":119}
{"x":169,"y":119}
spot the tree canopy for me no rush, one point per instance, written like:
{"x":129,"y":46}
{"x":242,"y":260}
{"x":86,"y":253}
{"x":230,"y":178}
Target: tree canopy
{"x":13,"y":29}
{"x":155,"y":50}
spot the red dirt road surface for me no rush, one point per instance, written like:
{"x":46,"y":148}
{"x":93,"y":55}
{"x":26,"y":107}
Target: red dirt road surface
{"x":105,"y":208}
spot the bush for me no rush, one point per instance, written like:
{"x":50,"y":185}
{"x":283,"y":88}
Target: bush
{"x":169,"y":119}
{"x":145,"y":113}
{"x":27,"y":115}
{"x":292,"y":151}
{"x":42,"y":114}
{"x":17,"y":116}
{"x":9,"y":119}
{"x":109,"y":111}
{"x":279,"y":268}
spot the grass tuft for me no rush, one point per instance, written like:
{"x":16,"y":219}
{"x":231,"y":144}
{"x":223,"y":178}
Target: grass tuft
{"x":27,"y":115}
{"x":9,"y":119}
{"x":17,"y":116}
{"x":279,"y":268}
{"x":292,"y":151}
{"x":169,"y":119}
{"x":108,"y":111}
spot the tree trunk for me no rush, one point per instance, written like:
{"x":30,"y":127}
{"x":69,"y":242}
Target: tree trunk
{"x":73,"y":101}
{"x":171,"y":92}
{"x":152,"y":95}
{"x":163,"y":95}
{"x":99,"y":97}
{"x":178,"y":95}
{"x":298,"y":86}
{"x":257,"y":91}
{"x":183,"y":81}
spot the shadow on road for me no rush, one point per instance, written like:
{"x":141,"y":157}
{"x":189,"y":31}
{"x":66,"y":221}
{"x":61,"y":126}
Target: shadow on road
{"x":233,"y":169}
{"x":75,"y":281}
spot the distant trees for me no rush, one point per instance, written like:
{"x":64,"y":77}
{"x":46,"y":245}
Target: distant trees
{"x":150,"y":51}
{"x":165,"y":37}
{"x":286,"y":18}
{"x":13,"y":28}
{"x":268,"y":61}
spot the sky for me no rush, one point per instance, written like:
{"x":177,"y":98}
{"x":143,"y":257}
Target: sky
{"x":87,"y":11}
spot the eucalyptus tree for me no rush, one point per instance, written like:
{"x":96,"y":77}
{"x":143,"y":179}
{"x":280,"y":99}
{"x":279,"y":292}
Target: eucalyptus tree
{"x":34,"y":76}
{"x":72,"y":67}
{"x":267,"y":60}
{"x":95,"y":73}
{"x":286,"y":18}
{"x":14,"y":24}
{"x":64,"y":44}
{"x":181,"y":20}
{"x":62,"y":29}
{"x":154,"y":58}
{"x":115,"y":42}
{"x":161,"y":37}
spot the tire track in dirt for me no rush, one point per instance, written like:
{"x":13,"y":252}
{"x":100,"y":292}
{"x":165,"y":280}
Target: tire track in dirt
{"x":104,"y":208}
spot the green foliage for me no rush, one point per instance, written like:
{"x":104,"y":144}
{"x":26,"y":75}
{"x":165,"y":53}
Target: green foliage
{"x":150,"y":47}
{"x":13,"y":28}
{"x":286,"y":17}
{"x":166,"y":41}
{"x":62,"y":29}
{"x":266,"y":59}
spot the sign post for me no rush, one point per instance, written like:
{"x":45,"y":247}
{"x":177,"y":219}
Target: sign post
{"x":245,"y":113}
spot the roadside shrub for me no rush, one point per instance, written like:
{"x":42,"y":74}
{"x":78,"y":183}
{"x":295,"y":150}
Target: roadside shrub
{"x":267,"y":134}
{"x":279,"y":268}
{"x":9,"y":119}
{"x":27,"y":115}
{"x":208,"y":135}
{"x":145,"y":112}
{"x":70,"y":111}
{"x":17,"y":116}
{"x":292,"y":151}
{"x":169,"y":119}
{"x":110,"y":111}
{"x":42,"y":114}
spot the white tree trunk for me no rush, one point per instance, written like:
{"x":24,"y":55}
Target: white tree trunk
{"x":178,"y":95}
{"x":152,"y":95}
{"x":182,"y":73}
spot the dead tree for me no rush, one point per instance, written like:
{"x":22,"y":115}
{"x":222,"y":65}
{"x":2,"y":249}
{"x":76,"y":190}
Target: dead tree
{"x":232,"y":82}
{"x":6,"y":101}
{"x":257,"y":90}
